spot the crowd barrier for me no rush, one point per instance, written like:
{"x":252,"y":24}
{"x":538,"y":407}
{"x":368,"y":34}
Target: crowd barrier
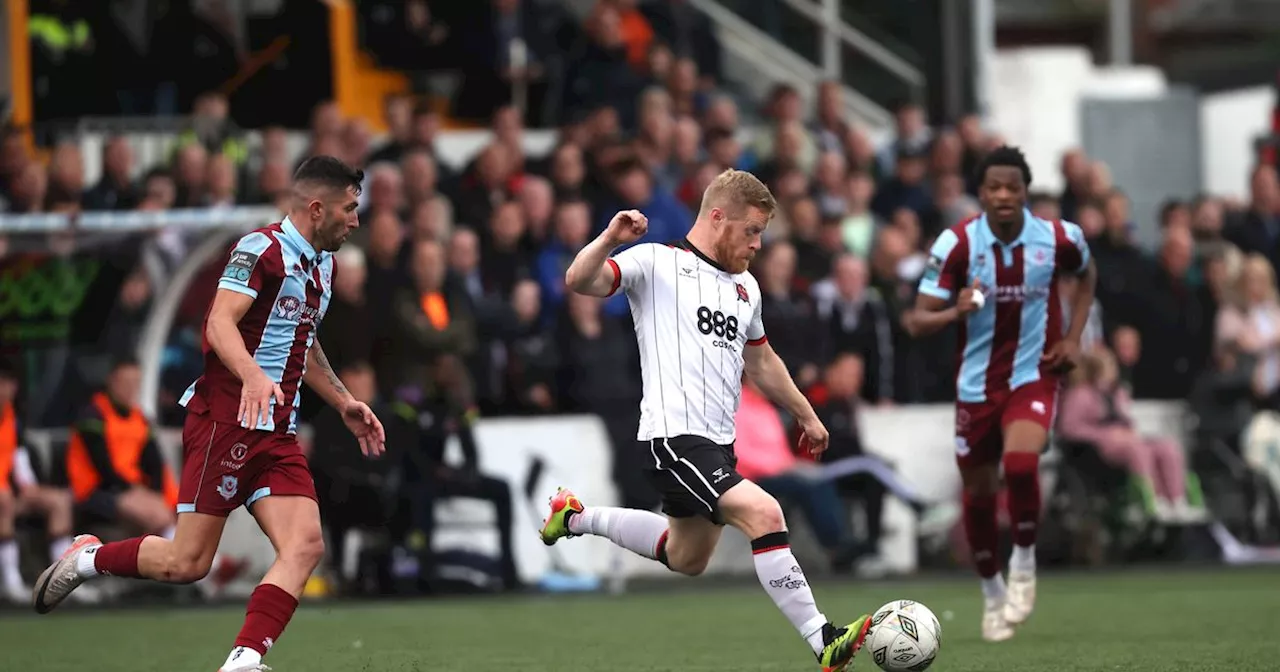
{"x":535,"y":455}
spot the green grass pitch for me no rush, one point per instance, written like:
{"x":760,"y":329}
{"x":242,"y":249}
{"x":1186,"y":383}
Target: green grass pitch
{"x":1159,"y":621}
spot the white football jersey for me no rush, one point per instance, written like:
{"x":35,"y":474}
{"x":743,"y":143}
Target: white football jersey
{"x":693,"y":320}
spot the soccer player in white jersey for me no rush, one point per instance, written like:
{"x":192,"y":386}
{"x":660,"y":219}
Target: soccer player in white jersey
{"x":697,"y":319}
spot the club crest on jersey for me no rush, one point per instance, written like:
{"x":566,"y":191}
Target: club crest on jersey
{"x":742,"y":293}
{"x":228,"y":487}
{"x":288,"y":307}
{"x":1040,"y":257}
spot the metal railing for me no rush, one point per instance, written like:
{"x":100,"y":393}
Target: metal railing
{"x":807,"y":41}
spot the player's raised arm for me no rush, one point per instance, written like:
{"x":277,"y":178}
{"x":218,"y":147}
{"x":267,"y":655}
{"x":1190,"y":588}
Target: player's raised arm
{"x":943,"y":276}
{"x":591,"y":273}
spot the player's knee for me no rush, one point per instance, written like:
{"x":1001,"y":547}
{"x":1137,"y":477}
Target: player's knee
{"x":692,"y":566}
{"x":305,"y":551}
{"x":757,"y":516}
{"x":187,"y":567}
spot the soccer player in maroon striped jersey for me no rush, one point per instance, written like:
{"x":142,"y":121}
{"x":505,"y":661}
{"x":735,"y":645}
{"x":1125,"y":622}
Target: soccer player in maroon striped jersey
{"x":239,"y":441}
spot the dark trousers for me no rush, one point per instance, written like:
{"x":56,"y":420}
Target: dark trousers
{"x":447,"y":484}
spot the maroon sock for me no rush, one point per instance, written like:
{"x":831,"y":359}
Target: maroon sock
{"x":982,"y":532}
{"x":118,"y":558}
{"x":270,"y":609}
{"x":1021,"y":472}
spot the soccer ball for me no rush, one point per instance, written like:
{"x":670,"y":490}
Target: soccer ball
{"x":904,"y":635}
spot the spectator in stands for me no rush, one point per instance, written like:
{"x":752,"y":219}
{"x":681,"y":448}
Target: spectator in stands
{"x":386,"y":193}
{"x":1075,"y":174}
{"x":420,"y":180}
{"x":350,"y":329}
{"x":1097,"y":410}
{"x":598,"y":72}
{"x":790,"y":315}
{"x":448,"y":412}
{"x":599,"y":374}
{"x":27,"y":189}
{"x":529,"y":353}
{"x":485,"y":185}
{"x":537,"y":202}
{"x":568,"y":170}
{"x":1259,"y":229}
{"x":633,"y":187}
{"x":114,"y":465}
{"x":1250,"y":323}
{"x":912,"y":136}
{"x":861,"y":478}
{"x":116,"y":189}
{"x":764,"y":456}
{"x":13,"y":160}
{"x":356,"y":493}
{"x":489,"y":70}
{"x":856,"y":320}
{"x":66,"y":174}
{"x":223,"y":190}
{"x":572,"y":230}
{"x":804,"y":223}
{"x":1124,"y":270}
{"x":397,"y":113}
{"x":127,"y":316}
{"x":504,"y":260}
{"x":190,"y":177}
{"x":429,"y":320}
{"x":689,"y":33}
{"x":1207,"y":219}
{"x":23,"y":494}
{"x":907,"y":188}
{"x":1182,"y":313}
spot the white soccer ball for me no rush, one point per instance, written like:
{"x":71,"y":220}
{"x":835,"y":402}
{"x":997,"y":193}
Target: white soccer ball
{"x":904,"y":635}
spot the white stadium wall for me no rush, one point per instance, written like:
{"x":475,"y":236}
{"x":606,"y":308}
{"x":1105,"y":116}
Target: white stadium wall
{"x":574,"y":451}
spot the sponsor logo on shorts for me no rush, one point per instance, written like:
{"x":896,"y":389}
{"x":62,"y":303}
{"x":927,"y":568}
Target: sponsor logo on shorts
{"x":719,"y":474}
{"x":962,"y":446}
{"x":238,"y":453}
{"x":1038,"y":407}
{"x":228,"y":487}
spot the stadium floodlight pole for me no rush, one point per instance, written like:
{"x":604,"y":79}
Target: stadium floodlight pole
{"x":984,"y":53}
{"x":1120,"y":31}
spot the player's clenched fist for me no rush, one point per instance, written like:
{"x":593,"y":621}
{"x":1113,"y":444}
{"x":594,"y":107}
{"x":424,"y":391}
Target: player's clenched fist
{"x":627,"y":226}
{"x":970,"y":299}
{"x":814,"y":437}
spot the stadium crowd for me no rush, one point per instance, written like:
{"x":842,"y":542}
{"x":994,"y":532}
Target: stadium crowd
{"x":450,"y":300}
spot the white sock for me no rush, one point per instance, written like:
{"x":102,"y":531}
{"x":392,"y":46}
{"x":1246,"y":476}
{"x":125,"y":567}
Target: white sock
{"x":241,"y":656}
{"x":85,"y":565}
{"x":633,"y":529}
{"x":1023,"y":559}
{"x":9,"y":562}
{"x":781,"y":577}
{"x":168,"y":532}
{"x":58,"y":547}
{"x":993,"y":587}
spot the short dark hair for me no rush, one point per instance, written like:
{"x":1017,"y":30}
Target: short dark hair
{"x":1167,"y":210}
{"x":329,"y":172}
{"x":1004,"y":155}
{"x":121,"y":361}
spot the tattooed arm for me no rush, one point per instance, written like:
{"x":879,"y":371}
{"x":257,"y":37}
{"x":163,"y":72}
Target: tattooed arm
{"x":320,"y":377}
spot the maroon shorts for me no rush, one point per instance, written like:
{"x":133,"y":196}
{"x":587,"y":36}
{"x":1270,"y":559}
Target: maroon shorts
{"x":980,"y":426}
{"x":225,"y":465}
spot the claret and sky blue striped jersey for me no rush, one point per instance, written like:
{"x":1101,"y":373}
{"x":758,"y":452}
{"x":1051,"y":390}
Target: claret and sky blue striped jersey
{"x":1002,"y":343}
